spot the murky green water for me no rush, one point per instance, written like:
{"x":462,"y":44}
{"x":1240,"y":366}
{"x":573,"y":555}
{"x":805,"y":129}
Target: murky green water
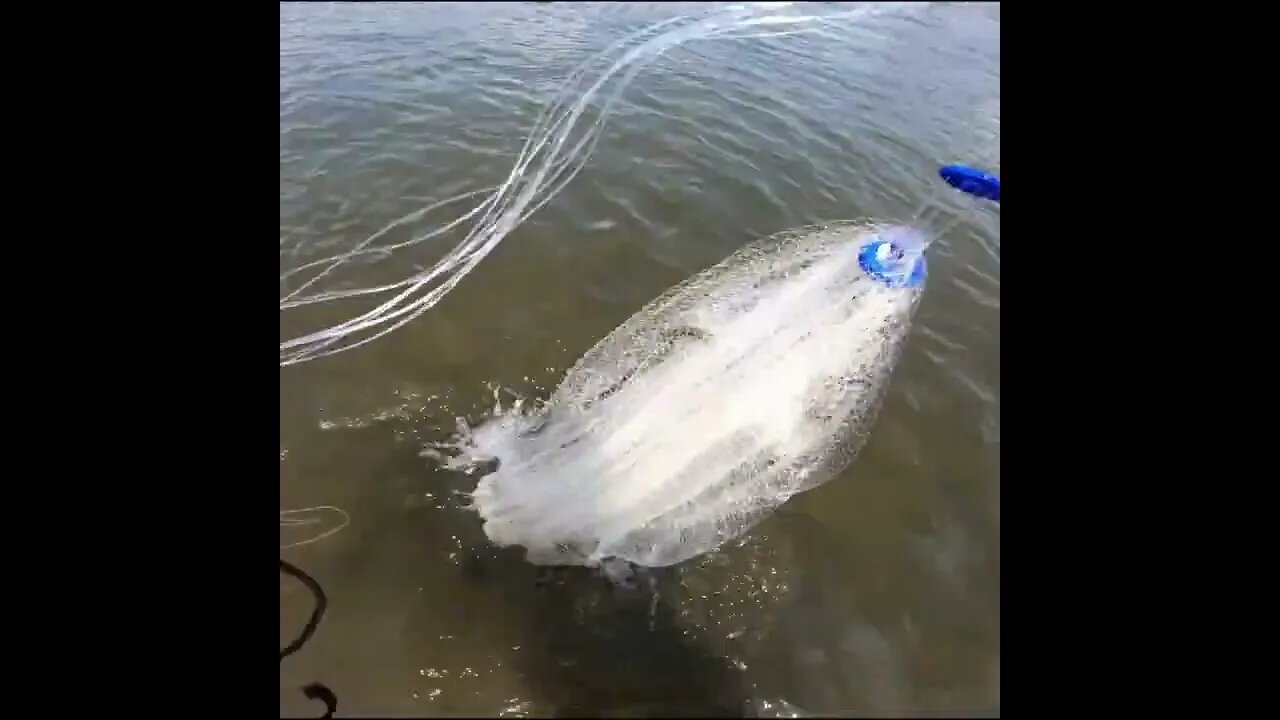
{"x":877,"y":593}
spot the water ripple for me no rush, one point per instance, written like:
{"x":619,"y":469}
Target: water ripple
{"x":388,"y":107}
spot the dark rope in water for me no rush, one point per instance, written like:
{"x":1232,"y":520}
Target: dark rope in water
{"x":314,"y":691}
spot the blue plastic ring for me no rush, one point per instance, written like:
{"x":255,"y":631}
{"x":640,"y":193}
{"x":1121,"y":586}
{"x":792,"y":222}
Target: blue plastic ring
{"x":887,"y":273}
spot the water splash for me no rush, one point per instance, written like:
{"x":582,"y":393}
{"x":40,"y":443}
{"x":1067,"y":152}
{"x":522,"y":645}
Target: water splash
{"x":753,"y":381}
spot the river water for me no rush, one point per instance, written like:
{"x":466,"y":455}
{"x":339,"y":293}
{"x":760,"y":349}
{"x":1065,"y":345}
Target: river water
{"x":875,"y":594}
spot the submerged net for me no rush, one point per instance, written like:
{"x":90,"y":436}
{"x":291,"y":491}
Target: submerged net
{"x":753,"y":381}
{"x":739,"y":388}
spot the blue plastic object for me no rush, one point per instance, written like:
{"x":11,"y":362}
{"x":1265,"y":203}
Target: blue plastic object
{"x":891,"y":264}
{"x":972,"y":181}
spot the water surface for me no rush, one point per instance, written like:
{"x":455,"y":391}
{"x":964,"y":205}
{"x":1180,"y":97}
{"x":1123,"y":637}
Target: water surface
{"x":875,"y":594}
